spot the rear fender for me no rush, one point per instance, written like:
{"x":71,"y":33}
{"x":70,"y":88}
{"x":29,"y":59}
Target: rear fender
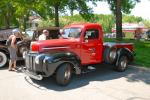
{"x":127,"y":52}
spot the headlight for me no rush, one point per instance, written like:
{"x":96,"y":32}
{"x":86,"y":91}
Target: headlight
{"x":37,"y":61}
{"x":47,"y":59}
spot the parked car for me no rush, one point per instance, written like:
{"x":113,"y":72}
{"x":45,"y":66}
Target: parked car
{"x":23,"y":42}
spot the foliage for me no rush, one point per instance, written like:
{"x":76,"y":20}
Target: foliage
{"x":118,"y":7}
{"x":22,"y":9}
{"x":45,"y":23}
{"x":131,"y":19}
{"x":107,"y":21}
{"x":6,"y":13}
{"x":126,"y":5}
{"x":146,"y":23}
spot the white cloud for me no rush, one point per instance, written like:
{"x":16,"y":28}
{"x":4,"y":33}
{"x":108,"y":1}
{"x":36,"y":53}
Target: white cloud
{"x":101,"y":8}
{"x":142,"y":9}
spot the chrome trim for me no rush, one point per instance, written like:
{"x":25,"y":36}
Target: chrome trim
{"x":37,"y":77}
{"x":51,"y":48}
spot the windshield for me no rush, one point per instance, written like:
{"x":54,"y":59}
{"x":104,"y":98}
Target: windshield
{"x":71,"y":33}
{"x":29,"y":34}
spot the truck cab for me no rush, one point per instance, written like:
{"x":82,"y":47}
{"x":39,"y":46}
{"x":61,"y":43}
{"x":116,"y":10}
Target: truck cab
{"x":81,"y":44}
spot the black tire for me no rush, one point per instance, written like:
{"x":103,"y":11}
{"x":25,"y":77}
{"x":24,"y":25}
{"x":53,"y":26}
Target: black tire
{"x":110,"y":55}
{"x":64,"y":74}
{"x":122,"y":64}
{"x":3,"y":59}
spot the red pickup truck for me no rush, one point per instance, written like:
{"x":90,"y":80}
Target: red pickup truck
{"x":82,"y":44}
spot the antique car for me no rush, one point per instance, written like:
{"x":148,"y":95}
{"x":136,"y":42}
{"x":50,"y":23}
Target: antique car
{"x":81,"y":46}
{"x":23,"y":42}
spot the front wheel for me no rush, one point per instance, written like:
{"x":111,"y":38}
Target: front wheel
{"x":122,"y":64}
{"x":3,"y":59}
{"x":64,"y":74}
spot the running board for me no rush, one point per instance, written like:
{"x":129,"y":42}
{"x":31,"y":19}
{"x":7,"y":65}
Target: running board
{"x":88,"y":69}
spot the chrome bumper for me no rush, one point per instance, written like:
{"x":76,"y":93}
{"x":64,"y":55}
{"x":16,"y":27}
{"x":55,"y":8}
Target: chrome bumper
{"x":32,"y":75}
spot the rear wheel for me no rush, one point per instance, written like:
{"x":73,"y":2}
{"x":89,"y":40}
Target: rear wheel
{"x":110,"y":55}
{"x":64,"y":74}
{"x":3,"y":59}
{"x":122,"y":64}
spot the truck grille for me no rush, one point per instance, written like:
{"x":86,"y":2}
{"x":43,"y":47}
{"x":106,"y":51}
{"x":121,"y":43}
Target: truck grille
{"x":30,"y":62}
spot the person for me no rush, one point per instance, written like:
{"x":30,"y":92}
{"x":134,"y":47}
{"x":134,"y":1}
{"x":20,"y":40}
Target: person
{"x":138,"y":34}
{"x":44,"y":35}
{"x":148,"y":34}
{"x":13,"y":49}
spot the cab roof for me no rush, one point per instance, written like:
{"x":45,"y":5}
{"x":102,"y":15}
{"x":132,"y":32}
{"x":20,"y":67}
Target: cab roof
{"x":83,"y":25}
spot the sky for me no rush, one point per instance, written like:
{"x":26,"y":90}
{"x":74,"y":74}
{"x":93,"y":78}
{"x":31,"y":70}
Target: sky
{"x":141,"y":9}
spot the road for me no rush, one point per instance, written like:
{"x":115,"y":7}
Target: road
{"x":102,"y":84}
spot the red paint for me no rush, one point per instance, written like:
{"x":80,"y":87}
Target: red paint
{"x":90,"y":52}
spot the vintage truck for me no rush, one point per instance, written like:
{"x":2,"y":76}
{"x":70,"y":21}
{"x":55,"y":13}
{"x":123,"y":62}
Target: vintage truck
{"x":81,"y":45}
{"x":23,"y":41}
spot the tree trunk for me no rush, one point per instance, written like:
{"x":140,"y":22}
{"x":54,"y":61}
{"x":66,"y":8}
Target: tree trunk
{"x":7,"y":22}
{"x":56,"y":15}
{"x":71,"y":12}
{"x":118,"y":20}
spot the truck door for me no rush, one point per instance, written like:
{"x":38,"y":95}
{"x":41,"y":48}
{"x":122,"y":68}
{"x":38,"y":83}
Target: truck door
{"x":92,"y":46}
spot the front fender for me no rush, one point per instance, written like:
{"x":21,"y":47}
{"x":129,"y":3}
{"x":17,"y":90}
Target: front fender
{"x":51,"y":62}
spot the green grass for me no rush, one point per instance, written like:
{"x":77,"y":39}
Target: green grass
{"x":142,"y":50}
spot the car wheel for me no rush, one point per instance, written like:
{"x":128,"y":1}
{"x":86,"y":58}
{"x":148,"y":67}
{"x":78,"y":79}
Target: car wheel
{"x":110,"y":55}
{"x":64,"y":74}
{"x":122,"y":64}
{"x":3,"y":59}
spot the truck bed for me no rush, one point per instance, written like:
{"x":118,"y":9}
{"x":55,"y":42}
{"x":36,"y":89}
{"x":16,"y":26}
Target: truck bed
{"x":119,"y":45}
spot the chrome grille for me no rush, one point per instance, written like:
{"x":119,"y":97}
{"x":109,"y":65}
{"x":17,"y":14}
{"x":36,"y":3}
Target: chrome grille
{"x":30,"y":63}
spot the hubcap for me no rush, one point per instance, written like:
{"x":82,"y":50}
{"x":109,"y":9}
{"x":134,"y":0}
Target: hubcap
{"x":124,"y":63}
{"x":113,"y":55}
{"x":67,"y":74}
{"x":1,"y":59}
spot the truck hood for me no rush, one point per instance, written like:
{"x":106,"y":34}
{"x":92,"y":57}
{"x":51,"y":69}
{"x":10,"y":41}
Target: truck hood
{"x":46,"y":45}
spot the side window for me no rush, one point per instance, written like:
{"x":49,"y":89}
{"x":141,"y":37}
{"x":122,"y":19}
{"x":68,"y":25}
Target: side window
{"x":91,"y":34}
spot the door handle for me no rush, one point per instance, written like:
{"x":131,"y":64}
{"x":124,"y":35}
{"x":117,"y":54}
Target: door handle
{"x":92,"y":50}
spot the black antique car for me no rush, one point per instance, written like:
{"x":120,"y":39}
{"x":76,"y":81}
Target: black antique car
{"x":23,"y":42}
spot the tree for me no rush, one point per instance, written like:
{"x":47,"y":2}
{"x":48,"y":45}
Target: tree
{"x":21,"y":9}
{"x":79,"y":5}
{"x":118,"y":7}
{"x":6,"y":13}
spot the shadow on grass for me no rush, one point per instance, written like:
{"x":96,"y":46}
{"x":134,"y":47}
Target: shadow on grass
{"x":103,"y":73}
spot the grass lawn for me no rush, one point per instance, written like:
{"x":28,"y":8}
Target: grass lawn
{"x":142,"y":50}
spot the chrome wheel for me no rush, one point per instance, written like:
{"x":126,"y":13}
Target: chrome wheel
{"x":3,"y":59}
{"x":67,"y":74}
{"x":63,"y":74}
{"x":113,"y":55}
{"x":122,"y":64}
